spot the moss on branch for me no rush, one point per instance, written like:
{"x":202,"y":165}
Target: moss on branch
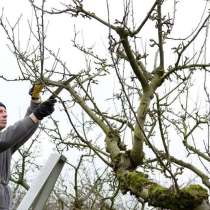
{"x":138,"y":184}
{"x":185,"y":199}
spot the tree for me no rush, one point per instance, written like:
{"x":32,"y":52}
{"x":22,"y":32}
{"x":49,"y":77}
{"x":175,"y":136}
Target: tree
{"x":141,"y":105}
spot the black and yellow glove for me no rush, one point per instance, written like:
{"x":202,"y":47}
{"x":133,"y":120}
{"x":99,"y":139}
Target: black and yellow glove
{"x":45,"y":109}
{"x":36,"y":90}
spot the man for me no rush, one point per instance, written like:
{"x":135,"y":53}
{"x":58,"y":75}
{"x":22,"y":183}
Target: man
{"x":15,"y":136}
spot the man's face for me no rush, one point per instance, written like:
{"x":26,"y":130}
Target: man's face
{"x":3,"y":117}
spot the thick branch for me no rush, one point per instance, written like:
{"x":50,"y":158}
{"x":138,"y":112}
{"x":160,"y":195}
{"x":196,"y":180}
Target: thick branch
{"x":131,"y":58}
{"x":138,"y":184}
{"x":139,"y":134}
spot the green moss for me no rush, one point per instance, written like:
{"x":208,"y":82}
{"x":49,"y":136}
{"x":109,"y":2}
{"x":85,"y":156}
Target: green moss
{"x":134,"y":182}
{"x":186,"y":198}
{"x":157,"y":189}
{"x":196,"y":191}
{"x":139,"y":185}
{"x":138,"y":180}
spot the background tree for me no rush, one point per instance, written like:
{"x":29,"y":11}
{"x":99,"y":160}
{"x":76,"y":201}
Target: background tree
{"x":138,"y":100}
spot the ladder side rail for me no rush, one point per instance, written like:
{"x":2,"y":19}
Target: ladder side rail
{"x":39,"y":183}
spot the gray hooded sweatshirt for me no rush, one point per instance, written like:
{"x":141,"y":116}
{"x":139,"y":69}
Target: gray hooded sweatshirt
{"x":10,"y":140}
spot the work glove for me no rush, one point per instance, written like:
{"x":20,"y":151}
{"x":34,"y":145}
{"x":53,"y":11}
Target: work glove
{"x":36,"y":90}
{"x":44,"y":109}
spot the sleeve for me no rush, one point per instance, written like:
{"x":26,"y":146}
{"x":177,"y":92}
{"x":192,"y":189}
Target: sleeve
{"x":32,"y":107}
{"x":16,"y":135}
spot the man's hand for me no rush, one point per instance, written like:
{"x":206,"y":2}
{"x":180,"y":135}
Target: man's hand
{"x":44,"y":109}
{"x":36,"y":90}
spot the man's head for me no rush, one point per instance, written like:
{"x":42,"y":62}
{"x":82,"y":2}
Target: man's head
{"x":3,"y":116}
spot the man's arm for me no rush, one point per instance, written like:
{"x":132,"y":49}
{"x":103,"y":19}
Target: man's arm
{"x":38,"y":113}
{"x":34,"y":92}
{"x":33,"y":106}
{"x":15,"y":135}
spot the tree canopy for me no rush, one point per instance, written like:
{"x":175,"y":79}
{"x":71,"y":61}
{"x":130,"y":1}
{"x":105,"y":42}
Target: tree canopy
{"x":132,"y":82}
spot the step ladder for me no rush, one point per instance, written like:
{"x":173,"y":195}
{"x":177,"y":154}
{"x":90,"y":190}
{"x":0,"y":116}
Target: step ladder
{"x":41,"y":188}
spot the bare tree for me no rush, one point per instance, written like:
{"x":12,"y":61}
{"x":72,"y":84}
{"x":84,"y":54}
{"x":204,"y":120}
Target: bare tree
{"x":141,"y":105}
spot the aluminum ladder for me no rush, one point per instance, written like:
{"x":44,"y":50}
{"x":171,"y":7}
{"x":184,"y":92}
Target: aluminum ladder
{"x":42,"y":186}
